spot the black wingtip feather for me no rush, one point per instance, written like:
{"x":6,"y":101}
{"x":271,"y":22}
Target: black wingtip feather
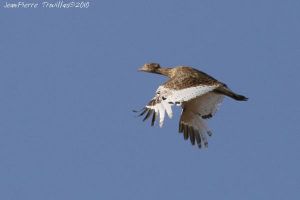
{"x":148,"y":114}
{"x":141,"y":112}
{"x":153,"y":119}
{"x":198,"y":138}
{"x":185,"y":132}
{"x":192,"y":135}
{"x":180,"y":130}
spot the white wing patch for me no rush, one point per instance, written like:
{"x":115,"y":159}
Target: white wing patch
{"x":179,"y":96}
{"x":160,"y":108}
{"x":205,"y":105}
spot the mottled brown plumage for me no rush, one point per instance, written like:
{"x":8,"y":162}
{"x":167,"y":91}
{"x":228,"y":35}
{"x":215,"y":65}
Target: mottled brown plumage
{"x":185,"y":77}
{"x":181,"y":77}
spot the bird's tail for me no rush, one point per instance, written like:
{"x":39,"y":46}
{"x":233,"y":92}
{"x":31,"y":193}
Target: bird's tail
{"x":226,"y":91}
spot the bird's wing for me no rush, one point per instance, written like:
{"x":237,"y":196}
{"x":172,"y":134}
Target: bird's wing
{"x":178,"y":96}
{"x":184,"y":88}
{"x":205,"y":105}
{"x":192,"y":121}
{"x":158,"y":107}
{"x":166,"y":97}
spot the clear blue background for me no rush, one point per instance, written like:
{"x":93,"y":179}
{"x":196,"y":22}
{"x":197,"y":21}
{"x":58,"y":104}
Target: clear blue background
{"x":68,"y":83}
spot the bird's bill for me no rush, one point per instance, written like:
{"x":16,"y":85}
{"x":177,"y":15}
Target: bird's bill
{"x":141,"y":69}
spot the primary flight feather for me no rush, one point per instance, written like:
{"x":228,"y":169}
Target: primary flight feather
{"x":198,"y":94}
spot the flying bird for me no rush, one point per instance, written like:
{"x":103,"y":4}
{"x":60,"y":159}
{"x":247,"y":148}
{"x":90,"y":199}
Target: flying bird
{"x":197,"y":93}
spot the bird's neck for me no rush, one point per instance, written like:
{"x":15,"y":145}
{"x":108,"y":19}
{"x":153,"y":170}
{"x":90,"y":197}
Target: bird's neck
{"x":164,"y":71}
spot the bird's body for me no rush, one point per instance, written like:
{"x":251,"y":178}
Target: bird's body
{"x":196,"y":92}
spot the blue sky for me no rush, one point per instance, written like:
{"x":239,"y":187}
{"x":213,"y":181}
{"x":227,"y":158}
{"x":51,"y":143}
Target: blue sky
{"x":69,"y":80}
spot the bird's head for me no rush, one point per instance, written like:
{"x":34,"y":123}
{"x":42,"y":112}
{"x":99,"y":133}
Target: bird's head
{"x":150,"y":67}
